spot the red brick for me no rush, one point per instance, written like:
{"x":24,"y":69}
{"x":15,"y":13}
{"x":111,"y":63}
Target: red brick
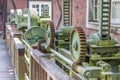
{"x":78,"y":12}
{"x":20,"y":4}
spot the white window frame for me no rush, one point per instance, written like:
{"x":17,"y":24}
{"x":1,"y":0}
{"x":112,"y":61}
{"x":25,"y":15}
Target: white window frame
{"x":93,"y":24}
{"x":91,"y":8}
{"x":95,"y":5}
{"x":49,"y":3}
{"x":115,"y":20}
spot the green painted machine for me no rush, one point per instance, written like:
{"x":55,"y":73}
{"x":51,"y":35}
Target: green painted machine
{"x":29,"y":19}
{"x":69,"y":46}
{"x":102,"y":48}
{"x":61,"y":35}
{"x":24,"y":19}
{"x":35,"y":32}
{"x":97,"y":58}
{"x":15,"y":16}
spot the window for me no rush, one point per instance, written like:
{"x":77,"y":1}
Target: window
{"x":115,"y":12}
{"x":93,"y":11}
{"x":44,"y":9}
{"x":93,"y":8}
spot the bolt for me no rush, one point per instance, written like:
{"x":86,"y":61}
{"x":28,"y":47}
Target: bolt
{"x":75,"y":46}
{"x":88,"y":74}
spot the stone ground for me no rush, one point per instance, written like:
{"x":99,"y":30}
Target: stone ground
{"x":6,"y":70}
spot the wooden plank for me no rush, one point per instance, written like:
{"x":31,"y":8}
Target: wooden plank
{"x":31,"y":68}
{"x":19,"y":46}
{"x":51,"y":68}
{"x":20,"y":60}
{"x":37,"y":72}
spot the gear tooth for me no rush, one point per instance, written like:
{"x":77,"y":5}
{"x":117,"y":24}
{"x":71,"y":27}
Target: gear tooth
{"x":52,"y":32}
{"x":82,"y":38}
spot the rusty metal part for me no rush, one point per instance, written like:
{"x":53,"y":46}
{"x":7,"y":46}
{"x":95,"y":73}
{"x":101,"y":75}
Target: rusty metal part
{"x":78,"y":45}
{"x":50,"y":34}
{"x":38,"y":46}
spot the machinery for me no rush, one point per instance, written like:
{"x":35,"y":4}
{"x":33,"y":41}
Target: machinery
{"x":29,"y":19}
{"x":60,"y":36}
{"x":103,"y":50}
{"x":15,"y":17}
{"x":69,"y":46}
{"x":24,"y":19}
{"x":34,"y":35}
{"x":95,"y":58}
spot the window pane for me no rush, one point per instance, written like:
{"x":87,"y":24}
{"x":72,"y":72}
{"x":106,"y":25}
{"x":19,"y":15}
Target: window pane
{"x":115,"y":12}
{"x":93,"y":8}
{"x":96,"y":2}
{"x":33,"y":6}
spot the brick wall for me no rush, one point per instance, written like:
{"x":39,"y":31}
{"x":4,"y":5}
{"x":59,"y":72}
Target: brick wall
{"x":20,"y":4}
{"x":79,"y":13}
{"x":57,"y":12}
{"x":78,"y":16}
{"x":1,"y":15}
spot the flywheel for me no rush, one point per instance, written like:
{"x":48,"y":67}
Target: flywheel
{"x":50,"y":34}
{"x":35,"y":36}
{"x":78,"y":45}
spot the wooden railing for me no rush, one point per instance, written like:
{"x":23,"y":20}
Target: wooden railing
{"x":16,"y":50}
{"x":18,"y":59}
{"x":31,"y":64}
{"x":47,"y":69}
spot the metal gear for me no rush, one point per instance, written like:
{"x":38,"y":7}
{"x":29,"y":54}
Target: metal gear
{"x":78,"y":45}
{"x":50,"y":34}
{"x":35,"y":36}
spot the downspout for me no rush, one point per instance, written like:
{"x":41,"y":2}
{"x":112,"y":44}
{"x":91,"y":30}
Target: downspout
{"x":13,"y":3}
{"x":4,"y":18}
{"x":27,"y":3}
{"x":58,"y":2}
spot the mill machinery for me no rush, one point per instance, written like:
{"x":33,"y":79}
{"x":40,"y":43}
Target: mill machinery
{"x":15,"y":17}
{"x":24,"y":19}
{"x":62,"y":35}
{"x":102,"y":48}
{"x":95,"y":58}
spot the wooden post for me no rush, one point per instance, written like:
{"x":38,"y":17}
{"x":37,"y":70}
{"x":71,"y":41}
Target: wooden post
{"x":20,"y":61}
{"x":46,"y":68}
{"x":11,"y":33}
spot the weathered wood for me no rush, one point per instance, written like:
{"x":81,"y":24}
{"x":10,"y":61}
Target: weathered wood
{"x":8,"y":34}
{"x":19,"y":59}
{"x":31,"y":68}
{"x":11,"y":33}
{"x":37,"y":72}
{"x":52,"y":69}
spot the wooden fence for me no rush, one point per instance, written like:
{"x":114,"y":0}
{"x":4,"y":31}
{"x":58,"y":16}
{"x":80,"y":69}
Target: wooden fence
{"x":28,"y":63}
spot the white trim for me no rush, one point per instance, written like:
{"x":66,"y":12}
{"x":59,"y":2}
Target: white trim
{"x":49,"y":3}
{"x":87,"y":13}
{"x":114,"y":21}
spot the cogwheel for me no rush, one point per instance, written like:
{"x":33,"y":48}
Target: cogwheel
{"x":50,"y":34}
{"x":78,"y":45}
